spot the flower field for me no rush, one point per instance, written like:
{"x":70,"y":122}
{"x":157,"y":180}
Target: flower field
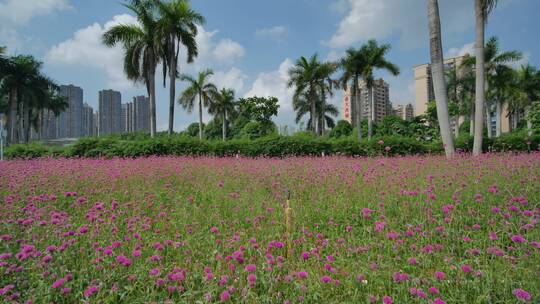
{"x":210,"y":230}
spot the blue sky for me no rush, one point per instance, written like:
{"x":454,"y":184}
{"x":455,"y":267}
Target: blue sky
{"x":250,"y":44}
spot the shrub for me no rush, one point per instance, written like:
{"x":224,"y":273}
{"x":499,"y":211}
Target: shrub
{"x":342,"y":128}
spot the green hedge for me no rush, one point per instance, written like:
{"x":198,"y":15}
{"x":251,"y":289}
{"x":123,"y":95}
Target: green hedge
{"x":273,"y":146}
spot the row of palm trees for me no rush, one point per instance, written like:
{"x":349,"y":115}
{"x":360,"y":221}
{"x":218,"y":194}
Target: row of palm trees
{"x":164,"y":30}
{"x":313,"y":84}
{"x":26,"y":95}
{"x":490,"y":70}
{"x":505,"y":86}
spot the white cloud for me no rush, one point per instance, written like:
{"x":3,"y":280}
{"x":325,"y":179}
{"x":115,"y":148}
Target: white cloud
{"x":232,"y":79}
{"x":274,"y":83}
{"x":227,"y":51}
{"x":466,"y":49}
{"x":408,"y":19}
{"x":86,"y":49}
{"x":17,"y":13}
{"x":20,"y":12}
{"x":276,"y":31}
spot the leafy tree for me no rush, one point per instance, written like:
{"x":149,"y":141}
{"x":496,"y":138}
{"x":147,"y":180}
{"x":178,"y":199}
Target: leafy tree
{"x":258,"y":129}
{"x":302,"y":107}
{"x":260,"y":109}
{"x":198,"y":87}
{"x":142,"y":50}
{"x":193,"y":129}
{"x":213,"y":130}
{"x":393,"y":125}
{"x":177,"y":26}
{"x":533,"y":115}
{"x":304,"y":78}
{"x":342,"y":128}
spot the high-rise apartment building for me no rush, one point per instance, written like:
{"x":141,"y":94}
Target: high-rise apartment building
{"x":69,"y":122}
{"x":423,"y":82}
{"x":381,"y":101}
{"x":110,"y":112}
{"x":88,"y":120}
{"x":405,"y":112}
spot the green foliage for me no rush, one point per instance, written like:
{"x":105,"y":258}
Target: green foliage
{"x":534,"y":115}
{"x":343,"y":128}
{"x":392,"y":125}
{"x":258,"y":108}
{"x":213,"y":130}
{"x":193,"y":129}
{"x":257,"y":129}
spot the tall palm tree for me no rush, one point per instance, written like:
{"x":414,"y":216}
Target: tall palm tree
{"x":437,"y":71}
{"x":374,"y":55}
{"x":352,"y":65}
{"x":198,"y":87}
{"x":325,"y":112}
{"x":528,"y":81}
{"x":19,"y":77}
{"x":326,"y":87}
{"x":177,"y":27}
{"x":494,"y":60}
{"x":303,"y":76}
{"x":223,"y":105}
{"x":482,"y":10}
{"x":143,"y":50}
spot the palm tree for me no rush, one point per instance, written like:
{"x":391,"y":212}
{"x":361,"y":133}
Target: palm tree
{"x":374,"y":55}
{"x":142,"y":48}
{"x":494,"y":60}
{"x":18,"y":78}
{"x":437,"y":71}
{"x":324,"y":111}
{"x":198,"y":87}
{"x":528,"y":81}
{"x":352,"y":65}
{"x":326,"y":86}
{"x":223,"y":105}
{"x":177,"y":26}
{"x":304,"y":77}
{"x":482,"y":10}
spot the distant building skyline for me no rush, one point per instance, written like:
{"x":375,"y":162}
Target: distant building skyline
{"x":110,"y":112}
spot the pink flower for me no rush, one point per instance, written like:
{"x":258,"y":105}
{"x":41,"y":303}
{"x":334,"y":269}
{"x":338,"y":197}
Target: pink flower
{"x":521,"y":294}
{"x":433,"y":290}
{"x":305,"y":255}
{"x":439,"y":275}
{"x":326,"y":279}
{"x":154,"y":272}
{"x":381,"y":142}
{"x":90,"y":290}
{"x":302,"y":274}
{"x":466,"y":268}
{"x":58,"y":283}
{"x":214,"y":229}
{"x":123,"y":260}
{"x":251,"y":268}
{"x":225,"y":296}
{"x":518,"y":239}
{"x":387,"y":300}
{"x":438,"y":301}
{"x":252,"y":278}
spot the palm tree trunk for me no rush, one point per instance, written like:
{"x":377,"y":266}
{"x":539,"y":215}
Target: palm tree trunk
{"x":499,"y":118}
{"x":456,"y":120}
{"x":12,"y":126}
{"x":172,"y":87}
{"x":200,"y":117}
{"x":471,"y":124}
{"x":358,"y":107}
{"x":224,"y":126}
{"x":152,"y":103}
{"x":353,"y":106}
{"x":437,"y":70}
{"x":371,"y":112}
{"x":313,"y":113}
{"x":488,"y":120}
{"x":26,"y":123}
{"x":529,"y":122}
{"x":480,"y":78}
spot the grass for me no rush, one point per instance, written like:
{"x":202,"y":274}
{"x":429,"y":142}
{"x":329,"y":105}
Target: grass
{"x":184,"y":230}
